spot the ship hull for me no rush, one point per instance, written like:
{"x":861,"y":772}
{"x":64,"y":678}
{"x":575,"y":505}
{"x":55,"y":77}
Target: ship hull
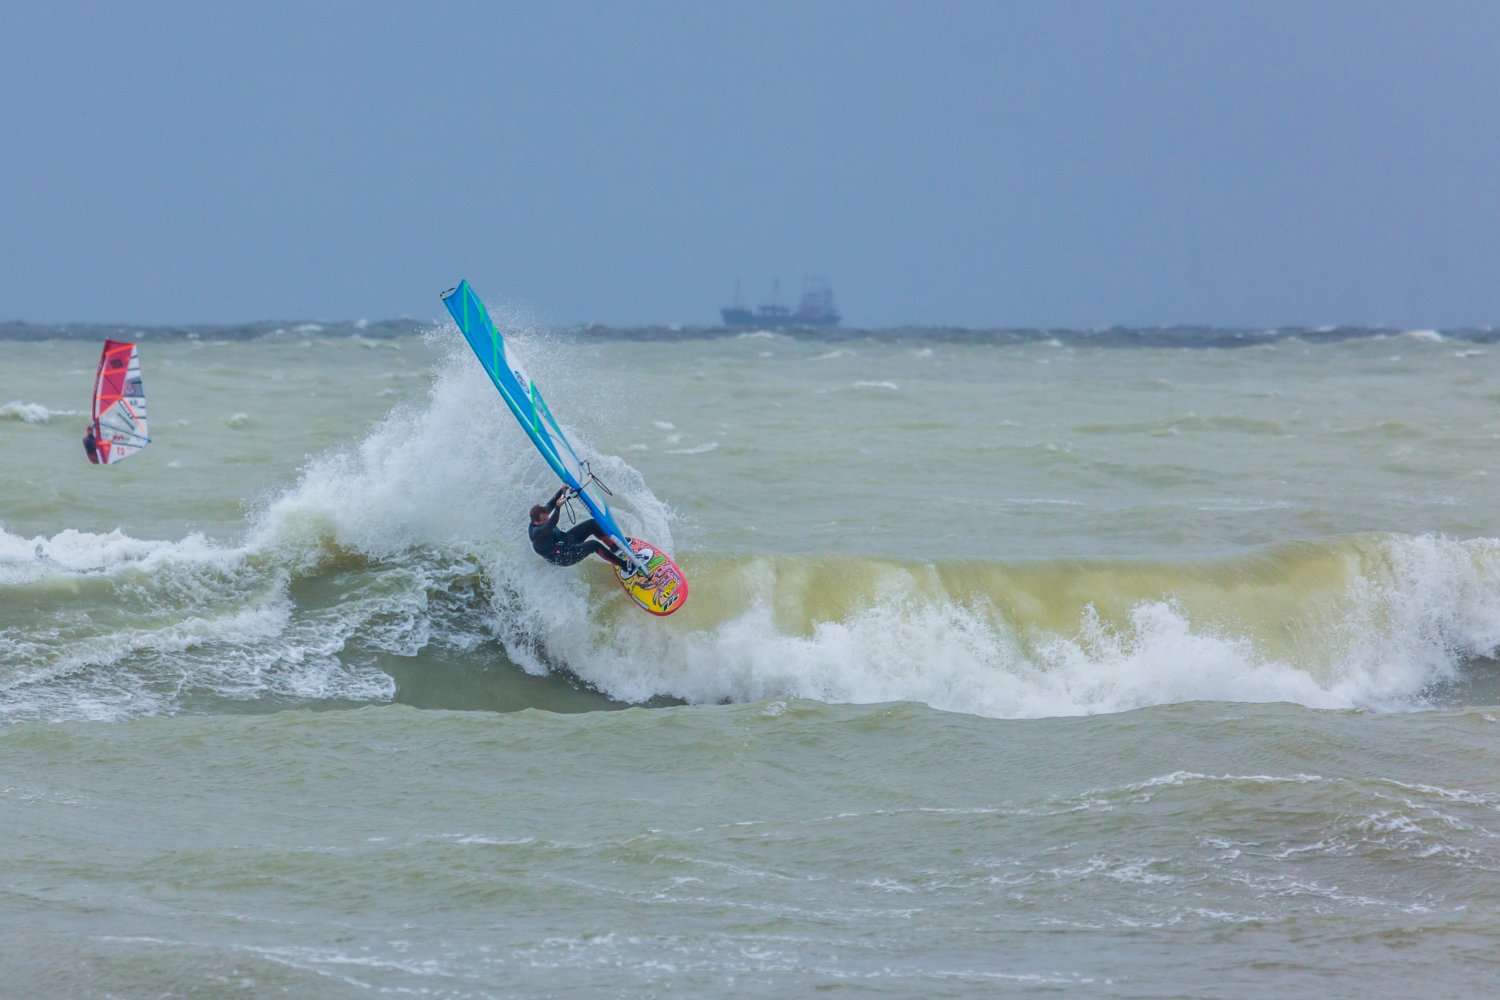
{"x":817,"y":309}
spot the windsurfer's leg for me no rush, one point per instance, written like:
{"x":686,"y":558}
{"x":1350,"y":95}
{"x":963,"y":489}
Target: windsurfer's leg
{"x":604,"y":552}
{"x":582,"y":531}
{"x":589,"y":536}
{"x":609,"y":543}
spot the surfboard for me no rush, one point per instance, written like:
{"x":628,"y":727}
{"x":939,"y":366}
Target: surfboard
{"x":663,"y":589}
{"x":531,"y":411}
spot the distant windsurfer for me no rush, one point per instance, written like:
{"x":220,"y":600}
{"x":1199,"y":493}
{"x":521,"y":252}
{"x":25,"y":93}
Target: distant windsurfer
{"x":565,"y":548}
{"x":90,"y":446}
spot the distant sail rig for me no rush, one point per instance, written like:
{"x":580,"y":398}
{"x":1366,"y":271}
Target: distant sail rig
{"x":119,"y":426}
{"x":525,"y":401}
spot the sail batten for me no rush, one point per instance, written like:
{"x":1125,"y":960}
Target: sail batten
{"x":119,"y":427}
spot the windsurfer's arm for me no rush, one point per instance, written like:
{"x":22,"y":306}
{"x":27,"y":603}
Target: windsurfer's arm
{"x":556,"y":504}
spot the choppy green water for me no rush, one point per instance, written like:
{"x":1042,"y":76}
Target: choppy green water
{"x":1034,"y":667}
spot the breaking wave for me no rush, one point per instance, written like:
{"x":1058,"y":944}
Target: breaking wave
{"x":388,"y":572}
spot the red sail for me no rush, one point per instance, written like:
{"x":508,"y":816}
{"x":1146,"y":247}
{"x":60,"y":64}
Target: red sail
{"x":119,"y":411}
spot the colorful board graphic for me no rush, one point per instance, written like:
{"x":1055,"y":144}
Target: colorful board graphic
{"x":662,"y":589}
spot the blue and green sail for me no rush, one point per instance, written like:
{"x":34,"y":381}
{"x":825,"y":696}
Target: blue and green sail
{"x":525,"y":401}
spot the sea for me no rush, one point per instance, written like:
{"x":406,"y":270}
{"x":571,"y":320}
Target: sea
{"x":1103,"y":663}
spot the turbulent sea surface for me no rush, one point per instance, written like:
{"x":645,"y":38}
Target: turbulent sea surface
{"x":1120,"y":663}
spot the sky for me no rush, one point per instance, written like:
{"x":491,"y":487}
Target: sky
{"x":1052,"y":164}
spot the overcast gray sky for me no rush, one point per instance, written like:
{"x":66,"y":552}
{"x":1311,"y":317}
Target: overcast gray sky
{"x":988,"y":163}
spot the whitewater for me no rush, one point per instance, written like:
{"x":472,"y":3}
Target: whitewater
{"x":1026,"y":660}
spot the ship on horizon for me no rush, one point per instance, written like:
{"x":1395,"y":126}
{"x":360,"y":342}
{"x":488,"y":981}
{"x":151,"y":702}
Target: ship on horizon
{"x":816,"y":308}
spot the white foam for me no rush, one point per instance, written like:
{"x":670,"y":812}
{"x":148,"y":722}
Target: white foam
{"x":103,"y":695}
{"x":1436,"y":602}
{"x":76,"y":553}
{"x":954,"y":658}
{"x":34,"y":413}
{"x":175,"y":617}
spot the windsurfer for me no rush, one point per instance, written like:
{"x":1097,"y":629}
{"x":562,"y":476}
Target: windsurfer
{"x":565,"y":548}
{"x":90,"y":446}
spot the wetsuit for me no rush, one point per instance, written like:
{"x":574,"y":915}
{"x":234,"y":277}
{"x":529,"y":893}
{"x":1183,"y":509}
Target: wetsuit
{"x":564,"y":548}
{"x":90,"y":448}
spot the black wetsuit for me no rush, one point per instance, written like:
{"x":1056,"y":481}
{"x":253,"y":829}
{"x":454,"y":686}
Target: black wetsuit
{"x":89,"y":447}
{"x":564,"y":548}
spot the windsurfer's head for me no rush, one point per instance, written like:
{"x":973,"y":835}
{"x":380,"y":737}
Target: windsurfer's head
{"x":538,"y":513}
